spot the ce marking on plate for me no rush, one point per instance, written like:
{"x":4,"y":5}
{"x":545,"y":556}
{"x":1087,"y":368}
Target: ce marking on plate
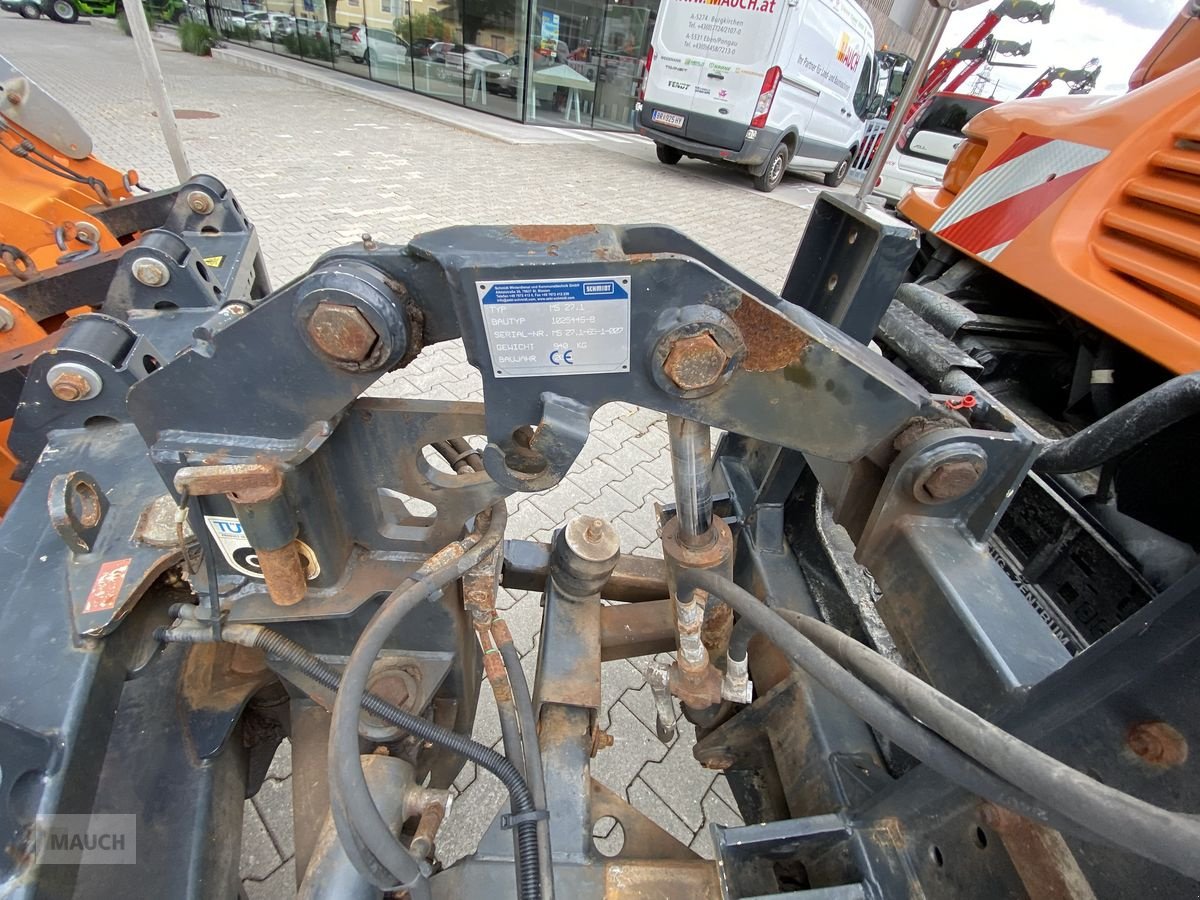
{"x":561,"y":357}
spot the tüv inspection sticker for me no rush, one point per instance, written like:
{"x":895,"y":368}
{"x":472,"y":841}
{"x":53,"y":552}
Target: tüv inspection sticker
{"x":557,"y":326}
{"x":230,"y":536}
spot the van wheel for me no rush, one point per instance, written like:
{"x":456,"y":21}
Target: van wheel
{"x":838,"y":175}
{"x":667,"y":155}
{"x":770,"y":179}
{"x":30,"y":11}
{"x":64,"y":11}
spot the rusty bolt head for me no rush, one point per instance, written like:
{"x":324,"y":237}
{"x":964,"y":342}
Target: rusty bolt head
{"x":695,"y":362}
{"x":949,"y":479}
{"x":1158,"y":744}
{"x":342,"y":332}
{"x":601,"y":740}
{"x":70,"y":386}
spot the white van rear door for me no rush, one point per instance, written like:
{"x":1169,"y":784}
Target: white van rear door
{"x":710,"y":58}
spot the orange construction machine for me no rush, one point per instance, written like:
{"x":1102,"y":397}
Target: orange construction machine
{"x":1090,"y":203}
{"x":53,"y":198}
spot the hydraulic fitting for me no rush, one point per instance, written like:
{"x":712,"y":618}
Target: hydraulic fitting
{"x":736,"y":686}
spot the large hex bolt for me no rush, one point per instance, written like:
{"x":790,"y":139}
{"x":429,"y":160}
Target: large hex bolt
{"x":695,"y":362}
{"x":72,"y":382}
{"x":341,"y":332}
{"x":951,"y":476}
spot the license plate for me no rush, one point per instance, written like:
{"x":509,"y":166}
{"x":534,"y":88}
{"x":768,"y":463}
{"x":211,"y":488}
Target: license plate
{"x":665,"y":118}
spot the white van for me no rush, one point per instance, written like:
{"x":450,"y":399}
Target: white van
{"x":767,"y":84}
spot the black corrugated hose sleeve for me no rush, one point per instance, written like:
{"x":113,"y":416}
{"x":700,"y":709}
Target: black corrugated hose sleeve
{"x":277,"y":645}
{"x":1117,"y":818}
{"x":348,"y":787}
{"x":534,"y":774}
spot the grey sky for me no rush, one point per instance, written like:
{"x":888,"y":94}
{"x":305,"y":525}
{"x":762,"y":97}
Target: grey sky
{"x":1140,"y":13}
{"x":1119,"y":32}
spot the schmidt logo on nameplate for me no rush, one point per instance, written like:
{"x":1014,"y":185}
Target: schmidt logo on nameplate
{"x":557,"y":326}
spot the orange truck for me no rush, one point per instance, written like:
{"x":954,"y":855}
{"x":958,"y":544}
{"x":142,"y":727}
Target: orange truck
{"x":1090,"y":203}
{"x":1059,"y":277}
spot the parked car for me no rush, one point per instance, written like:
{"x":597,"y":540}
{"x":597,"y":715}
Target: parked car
{"x":270,"y":24}
{"x":928,"y":143}
{"x":503,"y":80}
{"x":462,"y":60}
{"x":420,"y":47}
{"x":480,"y":58}
{"x":375,"y":45}
{"x":29,"y":9}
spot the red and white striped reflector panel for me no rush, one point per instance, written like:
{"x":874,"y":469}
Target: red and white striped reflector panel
{"x":1022,"y":182}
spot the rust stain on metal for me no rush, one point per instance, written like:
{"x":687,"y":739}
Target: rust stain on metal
{"x":637,"y":629}
{"x":342,"y":332}
{"x":70,"y":386}
{"x":718,"y":627}
{"x":549,"y":234}
{"x":953,"y":479}
{"x":695,"y":362}
{"x":283,"y":571}
{"x":665,"y":879}
{"x":772,"y":341}
{"x":698,"y":690}
{"x":1158,"y":744}
{"x":244,"y":482}
{"x":1045,"y":864}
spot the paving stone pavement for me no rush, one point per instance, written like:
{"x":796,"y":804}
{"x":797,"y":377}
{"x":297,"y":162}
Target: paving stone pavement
{"x":314,"y":170}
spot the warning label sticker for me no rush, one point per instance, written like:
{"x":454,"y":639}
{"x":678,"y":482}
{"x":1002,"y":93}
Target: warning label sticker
{"x":557,"y":326}
{"x":214,"y":262}
{"x":107,"y":586}
{"x":229,"y":535}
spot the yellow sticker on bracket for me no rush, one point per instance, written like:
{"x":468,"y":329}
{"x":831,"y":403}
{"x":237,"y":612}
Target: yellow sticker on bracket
{"x":214,"y":262}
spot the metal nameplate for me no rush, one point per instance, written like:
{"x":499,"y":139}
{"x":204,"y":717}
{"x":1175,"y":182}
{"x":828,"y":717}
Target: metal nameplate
{"x":557,"y":326}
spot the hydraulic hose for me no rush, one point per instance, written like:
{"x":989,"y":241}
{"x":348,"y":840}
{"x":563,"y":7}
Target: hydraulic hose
{"x":1124,"y":429}
{"x":1171,"y":839}
{"x":275,"y":644}
{"x":935,"y":751}
{"x":348,"y":786}
{"x":506,"y":709}
{"x":534,"y":774}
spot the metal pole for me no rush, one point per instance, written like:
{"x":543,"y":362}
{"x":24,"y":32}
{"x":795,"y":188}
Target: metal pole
{"x":690,"y":461}
{"x":140,"y":29}
{"x":888,"y":141}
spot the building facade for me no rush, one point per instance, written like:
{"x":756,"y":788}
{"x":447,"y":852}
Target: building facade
{"x":568,"y":63}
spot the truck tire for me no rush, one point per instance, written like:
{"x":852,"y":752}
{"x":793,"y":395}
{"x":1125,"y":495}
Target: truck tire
{"x":63,"y":11}
{"x":30,"y":10}
{"x":667,"y":155}
{"x":838,"y":175}
{"x":773,"y":174}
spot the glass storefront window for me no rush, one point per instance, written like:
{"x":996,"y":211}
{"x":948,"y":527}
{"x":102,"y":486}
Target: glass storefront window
{"x":348,"y":37}
{"x":574,"y":63}
{"x":589,"y":58}
{"x":493,"y":55}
